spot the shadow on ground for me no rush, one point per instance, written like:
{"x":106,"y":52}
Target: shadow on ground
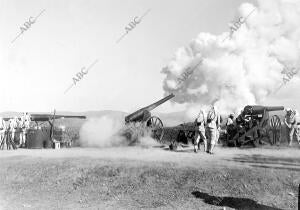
{"x":236,"y":203}
{"x":270,"y":162}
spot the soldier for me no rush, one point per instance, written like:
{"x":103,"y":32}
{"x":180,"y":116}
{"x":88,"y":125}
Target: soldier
{"x":2,"y":130}
{"x":230,"y":127}
{"x":13,"y":126}
{"x":230,"y":120}
{"x":25,"y":123}
{"x":212,"y":128}
{"x":200,"y":122}
{"x":291,"y":125}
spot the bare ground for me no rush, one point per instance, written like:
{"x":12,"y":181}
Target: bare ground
{"x":147,"y":177}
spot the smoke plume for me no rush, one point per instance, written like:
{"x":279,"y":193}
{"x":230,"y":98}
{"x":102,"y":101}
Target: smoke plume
{"x":109,"y":131}
{"x":242,"y":69}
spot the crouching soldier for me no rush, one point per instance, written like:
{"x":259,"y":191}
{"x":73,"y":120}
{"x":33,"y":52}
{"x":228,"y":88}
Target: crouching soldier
{"x":200,"y":132}
{"x":230,"y":127}
{"x":230,"y":120}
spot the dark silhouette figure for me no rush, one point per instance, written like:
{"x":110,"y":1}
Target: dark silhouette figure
{"x":236,"y":203}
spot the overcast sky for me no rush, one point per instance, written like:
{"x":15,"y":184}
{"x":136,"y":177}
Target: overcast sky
{"x":39,"y":65}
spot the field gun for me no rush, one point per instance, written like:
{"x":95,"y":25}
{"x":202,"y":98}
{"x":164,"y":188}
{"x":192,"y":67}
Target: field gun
{"x":38,"y":135}
{"x":44,"y":136}
{"x":153,"y":123}
{"x":250,"y":126}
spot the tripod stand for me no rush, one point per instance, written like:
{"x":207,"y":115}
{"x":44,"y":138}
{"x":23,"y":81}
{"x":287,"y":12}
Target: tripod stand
{"x":6,"y":139}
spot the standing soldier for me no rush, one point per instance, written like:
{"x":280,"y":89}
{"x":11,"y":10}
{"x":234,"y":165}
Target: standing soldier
{"x":13,"y":125}
{"x":25,"y":123}
{"x":2,"y":130}
{"x":200,"y":122}
{"x":291,"y":125}
{"x":213,"y":127}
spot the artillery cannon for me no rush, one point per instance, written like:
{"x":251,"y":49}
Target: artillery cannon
{"x":40,"y":136}
{"x":45,"y":136}
{"x":250,"y":125}
{"x":152,"y":123}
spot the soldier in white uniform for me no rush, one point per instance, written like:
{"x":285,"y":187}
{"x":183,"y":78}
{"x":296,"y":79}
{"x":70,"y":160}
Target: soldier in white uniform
{"x":13,"y":126}
{"x":25,"y":123}
{"x":212,"y":128}
{"x":2,"y":129}
{"x":200,"y":122}
{"x":290,"y":121}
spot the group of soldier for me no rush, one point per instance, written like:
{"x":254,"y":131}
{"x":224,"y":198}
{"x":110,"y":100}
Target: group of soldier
{"x":15,"y":126}
{"x":208,"y":129}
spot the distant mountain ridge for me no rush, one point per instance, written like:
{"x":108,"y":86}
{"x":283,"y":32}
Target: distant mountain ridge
{"x":168,"y":119}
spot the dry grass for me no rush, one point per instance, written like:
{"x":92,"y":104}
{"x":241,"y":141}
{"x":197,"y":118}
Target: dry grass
{"x":91,"y":179}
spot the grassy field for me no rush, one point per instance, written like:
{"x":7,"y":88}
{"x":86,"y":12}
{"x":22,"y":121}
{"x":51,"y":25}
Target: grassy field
{"x":149,"y":177}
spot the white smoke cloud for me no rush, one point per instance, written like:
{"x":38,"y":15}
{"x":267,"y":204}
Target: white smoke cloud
{"x":243,"y":69}
{"x":109,"y":131}
{"x":100,"y":132}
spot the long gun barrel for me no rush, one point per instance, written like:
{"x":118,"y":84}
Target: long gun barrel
{"x":47,"y":117}
{"x":156,"y":104}
{"x":257,"y":109}
{"x":144,"y":113}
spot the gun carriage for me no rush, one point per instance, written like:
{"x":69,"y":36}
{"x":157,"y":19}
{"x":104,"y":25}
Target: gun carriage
{"x":181,"y":134}
{"x":44,"y":136}
{"x":251,"y":125}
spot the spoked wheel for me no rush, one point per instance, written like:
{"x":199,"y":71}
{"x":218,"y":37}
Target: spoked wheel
{"x":157,"y":128}
{"x":275,"y":125}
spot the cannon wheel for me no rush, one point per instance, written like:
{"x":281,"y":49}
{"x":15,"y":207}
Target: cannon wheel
{"x":157,"y":128}
{"x":275,"y":125}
